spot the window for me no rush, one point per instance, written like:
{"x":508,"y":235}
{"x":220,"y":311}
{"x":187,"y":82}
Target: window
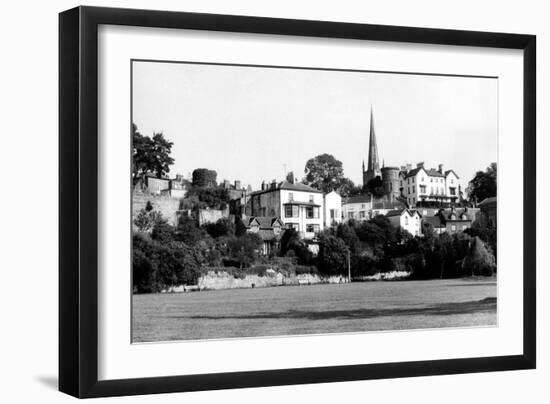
{"x":290,"y":196}
{"x":422,"y":189}
{"x":413,"y":180}
{"x":294,"y":226}
{"x":333,"y":214}
{"x":312,"y":212}
{"x":423,"y":179}
{"x":362,"y":214}
{"x":406,"y":220}
{"x":350,"y":215}
{"x":291,"y":211}
{"x":311,"y":199}
{"x":453,"y":227}
{"x":362,"y":206}
{"x":312,"y":228}
{"x":452,"y":191}
{"x":431,"y":180}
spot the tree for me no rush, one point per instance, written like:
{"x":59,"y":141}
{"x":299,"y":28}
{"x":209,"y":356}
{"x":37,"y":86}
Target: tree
{"x":332,"y":256}
{"x":291,"y":242}
{"x":150,"y":155}
{"x":147,"y":218}
{"x":203,"y":177}
{"x":324,"y":172}
{"x":188,"y":232}
{"x":479,"y":260}
{"x":346,"y":188}
{"x":244,"y":249}
{"x":484,"y":184}
{"x":375,"y":187}
{"x":223,"y":227}
{"x":163,"y":232}
{"x":347,"y":234}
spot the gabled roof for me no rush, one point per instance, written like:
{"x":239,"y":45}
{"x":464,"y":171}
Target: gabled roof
{"x":264,"y":222}
{"x":399,"y":212}
{"x":451,"y":171}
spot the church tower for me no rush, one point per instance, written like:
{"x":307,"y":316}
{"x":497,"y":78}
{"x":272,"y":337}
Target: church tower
{"x":373,"y":165}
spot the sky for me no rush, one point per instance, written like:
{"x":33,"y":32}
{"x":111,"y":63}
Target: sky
{"x":257,"y":123}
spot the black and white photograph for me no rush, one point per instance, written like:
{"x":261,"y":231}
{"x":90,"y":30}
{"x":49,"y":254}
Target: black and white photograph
{"x":279,"y":201}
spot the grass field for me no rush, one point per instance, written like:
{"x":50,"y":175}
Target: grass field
{"x":294,"y":310}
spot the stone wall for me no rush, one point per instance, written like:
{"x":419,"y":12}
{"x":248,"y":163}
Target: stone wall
{"x":166,"y":205}
{"x":222,"y":280}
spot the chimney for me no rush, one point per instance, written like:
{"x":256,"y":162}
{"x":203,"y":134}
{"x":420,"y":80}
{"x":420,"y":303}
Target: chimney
{"x":273,"y":184}
{"x":409,"y":167}
{"x":263,"y":186}
{"x":226,"y":184}
{"x":237,"y":184}
{"x":419,"y":165}
{"x":441,"y":168}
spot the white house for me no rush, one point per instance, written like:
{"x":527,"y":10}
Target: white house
{"x":429,"y":185}
{"x":365,"y":207}
{"x":297,"y":205}
{"x":406,"y":219}
{"x":332,"y":209}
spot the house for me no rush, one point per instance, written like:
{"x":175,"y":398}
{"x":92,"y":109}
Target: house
{"x":365,"y":207}
{"x":488,"y":208}
{"x":174,"y":188}
{"x":332,"y":208}
{"x":406,"y":219}
{"x":422,"y":185}
{"x":297,"y":205}
{"x":451,"y":221}
{"x":269,"y":229}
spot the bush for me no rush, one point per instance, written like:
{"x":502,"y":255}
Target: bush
{"x":223,"y":227}
{"x":479,"y":260}
{"x":332,"y":256}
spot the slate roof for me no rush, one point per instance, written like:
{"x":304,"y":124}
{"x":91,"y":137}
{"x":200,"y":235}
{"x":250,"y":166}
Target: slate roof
{"x":290,"y":187}
{"x":435,"y":221}
{"x":431,"y":172}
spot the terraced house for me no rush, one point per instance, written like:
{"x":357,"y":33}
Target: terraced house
{"x":429,"y":185}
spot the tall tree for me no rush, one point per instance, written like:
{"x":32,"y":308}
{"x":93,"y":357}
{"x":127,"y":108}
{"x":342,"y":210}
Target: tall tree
{"x":150,"y":155}
{"x":484,"y":184}
{"x":203,"y":177}
{"x":324,"y":172}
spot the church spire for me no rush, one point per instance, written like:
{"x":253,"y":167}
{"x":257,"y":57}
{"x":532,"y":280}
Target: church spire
{"x":373,"y":162}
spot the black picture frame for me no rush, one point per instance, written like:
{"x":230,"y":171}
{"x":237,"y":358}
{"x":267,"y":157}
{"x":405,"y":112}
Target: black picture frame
{"x":78,"y":201}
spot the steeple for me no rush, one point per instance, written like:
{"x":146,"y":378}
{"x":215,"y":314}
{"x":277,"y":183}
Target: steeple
{"x":373,"y":164}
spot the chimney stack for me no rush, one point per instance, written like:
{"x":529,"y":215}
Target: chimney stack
{"x":263,"y":185}
{"x":237,"y":184}
{"x":441,"y":168}
{"x":421,"y":164}
{"x":273,"y":184}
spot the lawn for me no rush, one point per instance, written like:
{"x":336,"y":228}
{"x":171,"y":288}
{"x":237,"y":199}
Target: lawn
{"x":294,"y":310}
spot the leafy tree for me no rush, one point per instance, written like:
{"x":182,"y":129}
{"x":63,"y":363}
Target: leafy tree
{"x":150,"y":155}
{"x":347,"y":234}
{"x":163,"y":232}
{"x":332,"y":256}
{"x":146,"y":219}
{"x":223,"y":227}
{"x":244,"y":249}
{"x":484,"y":184}
{"x":347,"y":188}
{"x":375,"y":187}
{"x":324,"y":172}
{"x":240,"y":227}
{"x":188,"y":232}
{"x":203,"y":177}
{"x":292,"y":245}
{"x":479,"y":260}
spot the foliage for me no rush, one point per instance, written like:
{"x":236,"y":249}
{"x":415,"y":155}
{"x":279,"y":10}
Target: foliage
{"x":375,"y":187}
{"x":484,"y":184}
{"x":212,"y":197}
{"x":324,"y":172}
{"x":479,"y":260}
{"x":223,"y":227}
{"x":332,"y":259}
{"x":147,"y":218}
{"x":150,"y":155}
{"x":244,"y":249}
{"x":203,"y":177}
{"x":293,"y":245}
{"x":163,"y":232}
{"x":188,"y":232}
{"x":347,"y":234}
